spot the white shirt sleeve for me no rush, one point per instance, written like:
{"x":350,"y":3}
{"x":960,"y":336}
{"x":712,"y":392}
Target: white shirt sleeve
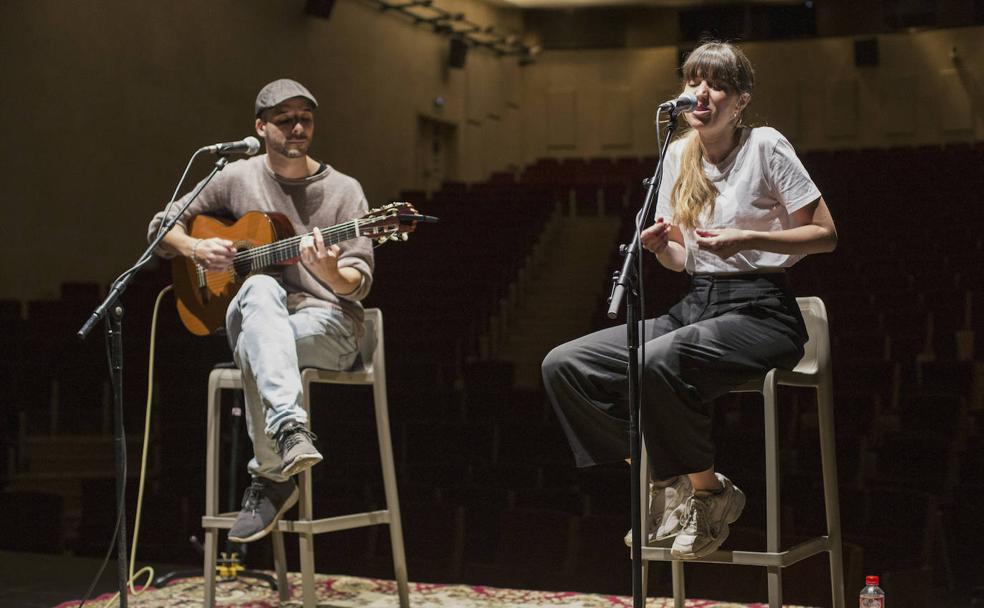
{"x":790,"y":182}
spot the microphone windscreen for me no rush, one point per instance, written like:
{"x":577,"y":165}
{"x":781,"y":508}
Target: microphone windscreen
{"x":688,"y":100}
{"x":253,"y":145}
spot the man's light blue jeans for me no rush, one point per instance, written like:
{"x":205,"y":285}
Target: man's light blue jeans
{"x":270,"y":345}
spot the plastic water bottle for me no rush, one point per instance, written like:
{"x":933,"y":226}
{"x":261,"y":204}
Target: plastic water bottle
{"x":872,"y":595}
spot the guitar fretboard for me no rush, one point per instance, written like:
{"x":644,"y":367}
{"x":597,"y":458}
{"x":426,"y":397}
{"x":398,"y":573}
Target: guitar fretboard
{"x":258,"y":258}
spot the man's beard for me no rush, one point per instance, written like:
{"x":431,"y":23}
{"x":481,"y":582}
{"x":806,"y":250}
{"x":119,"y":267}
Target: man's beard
{"x":293,"y":150}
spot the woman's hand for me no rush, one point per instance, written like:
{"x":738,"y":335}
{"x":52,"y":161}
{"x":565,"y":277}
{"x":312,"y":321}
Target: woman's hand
{"x":723,"y":243}
{"x":656,"y":237}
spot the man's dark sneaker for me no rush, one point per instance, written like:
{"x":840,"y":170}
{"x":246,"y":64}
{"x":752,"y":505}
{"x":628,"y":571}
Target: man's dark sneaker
{"x":295,"y":444}
{"x":264,"y":502}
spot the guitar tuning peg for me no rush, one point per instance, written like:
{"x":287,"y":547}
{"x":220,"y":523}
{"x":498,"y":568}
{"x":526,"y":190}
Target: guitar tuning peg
{"x":404,"y":236}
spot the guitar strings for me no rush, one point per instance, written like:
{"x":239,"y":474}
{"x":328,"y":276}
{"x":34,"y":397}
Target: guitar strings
{"x":288,"y":244}
{"x":219,"y":278}
{"x":222,"y":277}
{"x":273,"y":251}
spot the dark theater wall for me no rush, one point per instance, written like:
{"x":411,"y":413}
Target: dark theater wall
{"x":925,"y":89}
{"x":106,"y":100}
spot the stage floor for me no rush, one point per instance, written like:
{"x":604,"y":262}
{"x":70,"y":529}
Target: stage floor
{"x":354,"y":592}
{"x":31,"y":580}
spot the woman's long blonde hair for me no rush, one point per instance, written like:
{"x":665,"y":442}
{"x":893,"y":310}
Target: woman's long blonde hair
{"x":724,"y":63}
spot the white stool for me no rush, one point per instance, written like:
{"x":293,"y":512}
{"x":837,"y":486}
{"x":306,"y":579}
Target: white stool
{"x":306,"y":526}
{"x":813,"y":370}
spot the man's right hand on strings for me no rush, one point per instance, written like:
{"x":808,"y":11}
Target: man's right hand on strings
{"x":214,"y":254}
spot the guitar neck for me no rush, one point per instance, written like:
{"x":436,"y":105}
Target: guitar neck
{"x":288,"y":249}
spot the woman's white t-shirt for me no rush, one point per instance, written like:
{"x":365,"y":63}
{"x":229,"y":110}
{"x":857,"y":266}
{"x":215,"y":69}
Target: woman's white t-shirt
{"x":760,"y":184}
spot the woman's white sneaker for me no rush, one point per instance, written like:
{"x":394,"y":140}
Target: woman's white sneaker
{"x":706,"y":519}
{"x":667,"y":502}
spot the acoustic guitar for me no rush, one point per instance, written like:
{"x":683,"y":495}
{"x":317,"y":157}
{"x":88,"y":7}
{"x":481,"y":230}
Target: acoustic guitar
{"x":263,"y":240}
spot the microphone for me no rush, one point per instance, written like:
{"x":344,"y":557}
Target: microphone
{"x":248,"y":146}
{"x":684,"y":103}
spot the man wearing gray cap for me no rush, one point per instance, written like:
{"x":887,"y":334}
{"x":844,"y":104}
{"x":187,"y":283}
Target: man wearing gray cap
{"x":306,"y":315}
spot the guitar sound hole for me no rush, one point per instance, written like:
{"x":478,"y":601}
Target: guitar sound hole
{"x":242,"y":267}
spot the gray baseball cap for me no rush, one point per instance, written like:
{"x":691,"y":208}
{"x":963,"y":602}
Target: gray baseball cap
{"x":280,"y":91}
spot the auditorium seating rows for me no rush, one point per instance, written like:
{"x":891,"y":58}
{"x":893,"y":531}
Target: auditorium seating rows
{"x":490,"y":492}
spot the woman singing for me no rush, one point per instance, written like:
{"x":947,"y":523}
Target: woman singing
{"x":735,"y":209}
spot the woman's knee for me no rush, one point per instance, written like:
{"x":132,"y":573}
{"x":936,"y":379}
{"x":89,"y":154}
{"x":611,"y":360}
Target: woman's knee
{"x":570,"y":357}
{"x":556,"y":361}
{"x":662,"y":368}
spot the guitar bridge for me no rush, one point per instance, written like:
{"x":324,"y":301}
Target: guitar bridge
{"x":202,"y":283}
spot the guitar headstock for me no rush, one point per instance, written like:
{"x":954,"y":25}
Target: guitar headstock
{"x":392,"y":222}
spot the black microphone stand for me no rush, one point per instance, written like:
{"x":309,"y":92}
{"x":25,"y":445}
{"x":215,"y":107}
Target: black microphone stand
{"x":114,"y":344}
{"x":626,"y":280}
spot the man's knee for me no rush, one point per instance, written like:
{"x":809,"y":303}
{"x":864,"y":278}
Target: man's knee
{"x":260,"y":294}
{"x":261,"y":289}
{"x":259,"y":284}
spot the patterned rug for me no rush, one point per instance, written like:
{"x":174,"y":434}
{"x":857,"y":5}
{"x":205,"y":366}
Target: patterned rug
{"x":353,"y":592}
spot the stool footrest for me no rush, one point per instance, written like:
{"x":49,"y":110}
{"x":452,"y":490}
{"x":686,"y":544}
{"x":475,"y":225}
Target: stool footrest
{"x":747,"y":558}
{"x":224,"y":521}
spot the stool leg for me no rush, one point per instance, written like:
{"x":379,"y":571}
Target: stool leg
{"x":306,"y":545}
{"x":305,"y":541}
{"x":389,"y":486}
{"x":679,"y":588}
{"x":305,"y":513}
{"x":280,"y":565}
{"x":774,"y":573}
{"x":828,"y":457}
{"x":208,"y":569}
{"x":213,"y":419}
